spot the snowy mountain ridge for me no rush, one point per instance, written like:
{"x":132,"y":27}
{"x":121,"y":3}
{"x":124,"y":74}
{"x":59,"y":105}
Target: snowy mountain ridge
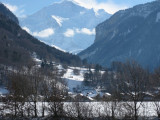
{"x":65,"y":24}
{"x":59,"y":20}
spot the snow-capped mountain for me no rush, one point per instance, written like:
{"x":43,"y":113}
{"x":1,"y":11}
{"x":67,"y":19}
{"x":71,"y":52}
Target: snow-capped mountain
{"x":66,"y":25}
{"x":131,"y":34}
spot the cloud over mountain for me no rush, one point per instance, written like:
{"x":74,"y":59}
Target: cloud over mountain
{"x":66,"y":25}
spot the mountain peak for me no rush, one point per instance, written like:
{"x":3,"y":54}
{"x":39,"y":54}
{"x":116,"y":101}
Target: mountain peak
{"x":67,"y":2}
{"x":73,"y":24}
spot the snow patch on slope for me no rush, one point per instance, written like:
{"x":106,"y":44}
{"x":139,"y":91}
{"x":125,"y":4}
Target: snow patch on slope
{"x":74,"y":80}
{"x":58,"y":48}
{"x":69,"y":74}
{"x":26,"y":29}
{"x":59,"y":19}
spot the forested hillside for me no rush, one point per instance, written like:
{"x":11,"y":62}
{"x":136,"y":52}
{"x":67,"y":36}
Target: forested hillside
{"x":17,"y":46}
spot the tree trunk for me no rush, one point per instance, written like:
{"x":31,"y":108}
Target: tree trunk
{"x":35,"y":108}
{"x":15,"y":109}
{"x":28,"y":110}
{"x":112,"y":112}
{"x":135,"y":111}
{"x":43,"y":109}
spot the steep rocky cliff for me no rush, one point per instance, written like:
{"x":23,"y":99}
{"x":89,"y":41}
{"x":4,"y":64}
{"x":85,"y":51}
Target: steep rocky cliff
{"x":131,"y":34}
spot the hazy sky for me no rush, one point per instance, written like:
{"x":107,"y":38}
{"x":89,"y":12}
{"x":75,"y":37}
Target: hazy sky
{"x":26,"y":7}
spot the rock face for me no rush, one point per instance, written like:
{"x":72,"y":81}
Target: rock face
{"x":8,"y":13}
{"x":131,"y":34}
{"x":71,"y":26}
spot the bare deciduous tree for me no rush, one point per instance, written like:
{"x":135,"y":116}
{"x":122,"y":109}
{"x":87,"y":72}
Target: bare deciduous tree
{"x":133,"y":83}
{"x":57,"y":91}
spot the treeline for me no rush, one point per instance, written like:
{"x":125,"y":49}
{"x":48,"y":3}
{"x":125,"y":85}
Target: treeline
{"x":40,"y":92}
{"x":30,"y":87}
{"x":127,"y":82}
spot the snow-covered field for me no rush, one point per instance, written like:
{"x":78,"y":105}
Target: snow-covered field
{"x":74,"y":80}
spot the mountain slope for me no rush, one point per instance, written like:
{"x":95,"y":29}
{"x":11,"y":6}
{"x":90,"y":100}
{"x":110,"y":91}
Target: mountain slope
{"x":17,"y":46}
{"x":69,"y":26}
{"x":7,"y":13}
{"x":131,"y":34}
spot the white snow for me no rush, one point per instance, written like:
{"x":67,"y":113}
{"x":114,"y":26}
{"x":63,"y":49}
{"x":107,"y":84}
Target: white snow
{"x":59,"y":19}
{"x":69,"y":74}
{"x":26,"y":29}
{"x":73,"y":80}
{"x":108,"y":94}
{"x":59,"y":67}
{"x":58,"y":48}
{"x":37,"y":60}
{"x":65,"y":21}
